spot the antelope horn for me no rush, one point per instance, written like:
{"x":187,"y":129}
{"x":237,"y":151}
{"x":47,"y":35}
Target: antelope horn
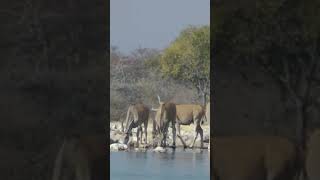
{"x":159,"y":99}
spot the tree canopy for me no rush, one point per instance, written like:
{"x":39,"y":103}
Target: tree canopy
{"x":188,"y":58}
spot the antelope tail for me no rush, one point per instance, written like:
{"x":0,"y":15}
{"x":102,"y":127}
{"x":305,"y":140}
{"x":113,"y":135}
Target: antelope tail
{"x":58,"y":163}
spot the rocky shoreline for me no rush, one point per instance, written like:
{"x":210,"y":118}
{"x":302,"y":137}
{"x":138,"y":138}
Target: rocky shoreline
{"x":187,"y":133}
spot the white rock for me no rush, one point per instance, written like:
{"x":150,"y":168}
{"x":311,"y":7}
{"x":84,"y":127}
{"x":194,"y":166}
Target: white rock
{"x":121,"y":141}
{"x":118,"y":147}
{"x":134,"y":138}
{"x":160,"y":149}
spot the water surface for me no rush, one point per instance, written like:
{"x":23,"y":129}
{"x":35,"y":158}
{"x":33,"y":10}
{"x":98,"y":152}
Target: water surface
{"x":159,"y":166}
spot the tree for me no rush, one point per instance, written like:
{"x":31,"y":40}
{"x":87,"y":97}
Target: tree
{"x":292,"y":59}
{"x":281,"y":38}
{"x":188,"y":59}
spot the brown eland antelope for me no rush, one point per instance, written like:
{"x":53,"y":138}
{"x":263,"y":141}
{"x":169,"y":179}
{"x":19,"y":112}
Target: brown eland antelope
{"x":82,"y":158}
{"x":188,"y":114}
{"x":165,"y":114}
{"x":137,"y":115}
{"x":255,"y":158}
{"x":313,"y":156}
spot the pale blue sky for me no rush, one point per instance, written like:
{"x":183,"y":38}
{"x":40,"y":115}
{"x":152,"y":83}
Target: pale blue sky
{"x":153,"y":23}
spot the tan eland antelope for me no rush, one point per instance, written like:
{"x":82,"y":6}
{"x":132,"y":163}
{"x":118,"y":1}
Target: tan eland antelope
{"x":255,"y":158}
{"x":165,"y":114}
{"x":188,"y":114}
{"x":137,"y":115}
{"x":82,"y":158}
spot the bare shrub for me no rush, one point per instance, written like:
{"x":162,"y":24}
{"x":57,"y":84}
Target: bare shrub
{"x":133,"y":81}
